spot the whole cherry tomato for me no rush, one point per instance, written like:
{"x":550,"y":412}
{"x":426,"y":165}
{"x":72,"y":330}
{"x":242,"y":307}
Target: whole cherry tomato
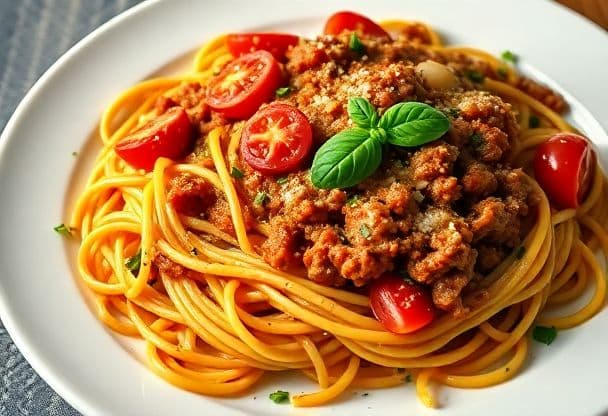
{"x":564,"y":167}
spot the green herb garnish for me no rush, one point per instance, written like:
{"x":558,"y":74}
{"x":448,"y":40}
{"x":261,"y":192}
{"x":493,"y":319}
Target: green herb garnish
{"x":365,"y":231}
{"x":519,"y":253}
{"x":355,"y":44}
{"x":236,"y":173}
{"x":261,"y":198}
{"x":283,"y":92}
{"x":279,"y":396}
{"x":352,"y":201}
{"x":476,"y":140}
{"x":453,"y":112}
{"x":134,"y":263}
{"x":509,"y":56}
{"x":544,"y":334}
{"x":475,"y":76}
{"x":74,"y":154}
{"x":283,"y":180}
{"x":534,"y":122}
{"x":502,"y":72}
{"x":408,"y":378}
{"x":63,"y":230}
{"x":354,"y":154}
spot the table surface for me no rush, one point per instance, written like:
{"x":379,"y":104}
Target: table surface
{"x":33,"y":34}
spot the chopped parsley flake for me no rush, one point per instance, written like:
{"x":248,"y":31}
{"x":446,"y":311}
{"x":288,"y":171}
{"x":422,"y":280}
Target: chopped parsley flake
{"x":365,"y":394}
{"x":365,"y":231}
{"x":261,"y":198}
{"x":408,"y":378}
{"x":519,"y":253}
{"x":475,"y":76}
{"x":509,"y":56}
{"x":133,"y":263}
{"x":236,"y":173}
{"x":544,"y":334}
{"x":63,"y":230}
{"x":282,"y":181}
{"x":453,"y":112}
{"x":74,"y":154}
{"x":502,"y":72}
{"x":283,"y":92}
{"x":279,"y":396}
{"x":476,"y":140}
{"x":352,"y":201}
{"x":355,"y":44}
{"x":534,"y":122}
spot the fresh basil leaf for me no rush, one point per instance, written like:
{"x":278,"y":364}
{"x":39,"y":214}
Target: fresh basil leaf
{"x":362,"y":112}
{"x":346,"y":159}
{"x":413,"y":124}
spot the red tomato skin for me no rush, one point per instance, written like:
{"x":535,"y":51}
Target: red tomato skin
{"x":346,"y":20}
{"x":400,"y":306}
{"x":275,"y":43}
{"x":168,"y":135}
{"x":300,"y":133}
{"x":246,"y":103}
{"x":563,"y":167}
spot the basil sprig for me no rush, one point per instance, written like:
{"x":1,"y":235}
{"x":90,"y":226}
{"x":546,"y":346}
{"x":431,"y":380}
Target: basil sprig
{"x":354,"y":154}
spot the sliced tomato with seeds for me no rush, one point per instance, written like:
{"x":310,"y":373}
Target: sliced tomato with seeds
{"x":276,"y":139}
{"x":169,"y":135}
{"x":401,"y":306}
{"x":341,"y":21}
{"x":275,"y":43}
{"x":244,"y":84}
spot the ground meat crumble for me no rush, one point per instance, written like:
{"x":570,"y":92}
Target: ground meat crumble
{"x":443,"y":214}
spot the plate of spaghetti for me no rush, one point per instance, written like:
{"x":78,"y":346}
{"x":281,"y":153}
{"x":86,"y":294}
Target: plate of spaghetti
{"x":350,"y":211}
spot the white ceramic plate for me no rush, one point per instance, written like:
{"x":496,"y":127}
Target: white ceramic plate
{"x":43,"y":305}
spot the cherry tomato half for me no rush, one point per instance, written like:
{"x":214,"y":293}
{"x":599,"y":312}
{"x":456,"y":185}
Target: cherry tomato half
{"x":399,"y":305}
{"x":275,"y":43}
{"x":564,"y":166}
{"x":341,"y":21}
{"x":169,"y":135}
{"x":244,"y":84}
{"x":276,"y":139}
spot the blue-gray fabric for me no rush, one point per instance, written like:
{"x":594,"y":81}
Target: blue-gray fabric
{"x":33,"y":34}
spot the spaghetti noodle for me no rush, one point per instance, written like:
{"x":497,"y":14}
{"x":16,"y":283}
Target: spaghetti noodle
{"x":203,"y":333}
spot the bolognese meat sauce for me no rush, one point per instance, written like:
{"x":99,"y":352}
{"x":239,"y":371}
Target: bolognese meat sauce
{"x":443,"y":214}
